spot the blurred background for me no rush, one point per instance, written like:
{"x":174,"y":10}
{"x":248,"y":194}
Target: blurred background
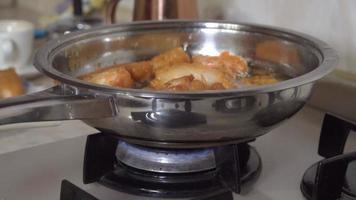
{"x":329,"y":20}
{"x":31,"y":23}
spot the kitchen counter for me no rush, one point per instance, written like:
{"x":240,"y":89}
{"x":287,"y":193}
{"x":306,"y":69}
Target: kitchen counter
{"x":286,"y":152}
{"x":17,"y":137}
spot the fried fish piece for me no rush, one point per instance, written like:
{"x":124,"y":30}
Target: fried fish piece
{"x":169,"y":76}
{"x":232,"y":64}
{"x":140,"y":71}
{"x":116,"y":76}
{"x":169,"y":58}
{"x":185,"y":83}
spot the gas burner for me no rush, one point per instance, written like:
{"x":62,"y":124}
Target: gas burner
{"x":165,"y":161}
{"x":169,"y":173}
{"x":333,"y":177}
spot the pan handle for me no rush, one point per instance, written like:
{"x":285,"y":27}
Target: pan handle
{"x":56,"y":103}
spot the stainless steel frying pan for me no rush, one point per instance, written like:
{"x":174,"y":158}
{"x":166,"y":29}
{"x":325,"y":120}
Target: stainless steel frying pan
{"x":174,"y":119}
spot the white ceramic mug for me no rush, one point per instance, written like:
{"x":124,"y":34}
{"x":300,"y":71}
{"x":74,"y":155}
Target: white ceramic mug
{"x":16,"y":43}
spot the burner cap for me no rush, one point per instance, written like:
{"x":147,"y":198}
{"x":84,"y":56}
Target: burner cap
{"x":166,"y":161}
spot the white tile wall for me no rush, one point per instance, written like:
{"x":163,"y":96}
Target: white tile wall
{"x":47,"y":8}
{"x":44,"y":7}
{"x":330,"y":20}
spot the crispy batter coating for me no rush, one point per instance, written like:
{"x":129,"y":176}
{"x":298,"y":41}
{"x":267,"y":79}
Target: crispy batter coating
{"x":208,"y":76}
{"x":140,"y":71}
{"x":185,"y":83}
{"x":169,"y":58}
{"x":116,"y":76}
{"x":234,"y":65}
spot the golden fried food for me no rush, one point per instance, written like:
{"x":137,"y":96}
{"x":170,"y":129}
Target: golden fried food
{"x":10,"y":84}
{"x":234,"y":65}
{"x":140,"y":71}
{"x":169,"y":58}
{"x":185,"y":83}
{"x":174,"y":70}
{"x":209,"y":76}
{"x":116,"y":76}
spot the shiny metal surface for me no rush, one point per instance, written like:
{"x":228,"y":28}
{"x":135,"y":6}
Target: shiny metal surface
{"x":186,"y":119}
{"x":166,"y":161}
{"x":57,"y":103}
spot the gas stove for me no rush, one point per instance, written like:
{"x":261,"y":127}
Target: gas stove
{"x":169,"y":173}
{"x":101,"y":166}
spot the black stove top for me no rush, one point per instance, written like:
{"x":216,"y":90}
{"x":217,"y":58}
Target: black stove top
{"x":235,"y":166}
{"x":335,"y":176}
{"x":69,"y":191}
{"x":212,"y":173}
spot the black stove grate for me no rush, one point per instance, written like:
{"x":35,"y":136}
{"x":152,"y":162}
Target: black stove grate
{"x":69,"y":191}
{"x":238,"y":166}
{"x":334,"y":177}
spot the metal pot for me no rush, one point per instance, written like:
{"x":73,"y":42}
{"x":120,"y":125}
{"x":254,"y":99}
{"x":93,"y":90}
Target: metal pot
{"x":174,"y":119}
